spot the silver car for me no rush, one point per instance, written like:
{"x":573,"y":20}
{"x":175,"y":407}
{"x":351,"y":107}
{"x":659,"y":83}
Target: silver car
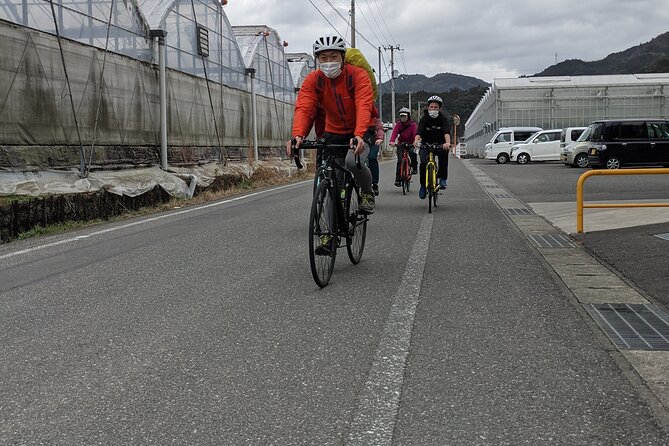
{"x":575,"y":154}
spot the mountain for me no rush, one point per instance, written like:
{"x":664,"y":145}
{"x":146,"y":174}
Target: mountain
{"x":649,"y":57}
{"x":439,"y":83}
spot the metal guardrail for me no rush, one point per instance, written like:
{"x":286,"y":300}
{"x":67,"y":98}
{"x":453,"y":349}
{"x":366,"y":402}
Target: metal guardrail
{"x":579,"y":192}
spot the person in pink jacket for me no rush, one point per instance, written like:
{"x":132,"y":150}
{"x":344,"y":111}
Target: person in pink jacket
{"x":404,"y":131}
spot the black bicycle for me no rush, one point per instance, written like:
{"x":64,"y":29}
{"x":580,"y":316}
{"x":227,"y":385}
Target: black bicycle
{"x":335,"y":219}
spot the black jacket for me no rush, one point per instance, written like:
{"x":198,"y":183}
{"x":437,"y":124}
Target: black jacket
{"x":432,"y":130}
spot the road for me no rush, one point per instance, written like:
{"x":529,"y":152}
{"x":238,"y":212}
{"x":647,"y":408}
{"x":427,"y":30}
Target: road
{"x":203,"y":326}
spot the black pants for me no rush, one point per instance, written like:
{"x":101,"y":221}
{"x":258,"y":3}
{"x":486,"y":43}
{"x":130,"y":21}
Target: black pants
{"x":442,"y":164}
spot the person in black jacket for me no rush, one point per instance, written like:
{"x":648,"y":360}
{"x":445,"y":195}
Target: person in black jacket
{"x":433,"y":128}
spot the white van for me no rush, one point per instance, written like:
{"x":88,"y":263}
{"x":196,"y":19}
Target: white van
{"x":542,"y":146}
{"x":499,"y":147}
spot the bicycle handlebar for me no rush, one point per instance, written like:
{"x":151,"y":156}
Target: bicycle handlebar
{"x":319,"y":144}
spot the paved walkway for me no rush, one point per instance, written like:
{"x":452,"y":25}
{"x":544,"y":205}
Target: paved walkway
{"x":592,"y":282}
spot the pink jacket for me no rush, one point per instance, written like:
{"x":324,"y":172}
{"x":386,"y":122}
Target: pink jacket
{"x":406,"y":132}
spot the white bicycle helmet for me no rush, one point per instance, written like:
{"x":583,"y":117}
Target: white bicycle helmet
{"x":326,"y":43}
{"x":404,"y":111}
{"x":436,"y":99}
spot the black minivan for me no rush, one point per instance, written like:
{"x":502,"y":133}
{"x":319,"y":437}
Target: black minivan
{"x":627,"y":142}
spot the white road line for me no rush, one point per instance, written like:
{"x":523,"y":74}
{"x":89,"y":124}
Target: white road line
{"x":378,"y":405}
{"x":148,"y":220}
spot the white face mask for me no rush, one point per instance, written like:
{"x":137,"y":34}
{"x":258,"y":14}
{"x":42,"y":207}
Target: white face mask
{"x":331,"y":69}
{"x":433,"y":113}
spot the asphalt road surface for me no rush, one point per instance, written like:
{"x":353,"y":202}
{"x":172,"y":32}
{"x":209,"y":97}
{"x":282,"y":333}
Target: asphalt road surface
{"x":204,"y":326}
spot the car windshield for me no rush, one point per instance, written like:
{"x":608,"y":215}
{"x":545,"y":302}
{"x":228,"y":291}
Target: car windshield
{"x":585,"y":135}
{"x":527,"y":141}
{"x":597,"y":131}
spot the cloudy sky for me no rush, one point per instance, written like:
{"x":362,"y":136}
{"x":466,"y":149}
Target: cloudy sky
{"x":480,"y":38}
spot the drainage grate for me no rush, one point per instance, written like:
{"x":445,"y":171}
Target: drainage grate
{"x":550,"y":241}
{"x":518,"y":211}
{"x":633,"y":326}
{"x":502,"y":196}
{"x":663,"y":236}
{"x":491,"y":186}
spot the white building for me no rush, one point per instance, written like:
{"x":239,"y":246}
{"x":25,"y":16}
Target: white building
{"x":566,"y":101}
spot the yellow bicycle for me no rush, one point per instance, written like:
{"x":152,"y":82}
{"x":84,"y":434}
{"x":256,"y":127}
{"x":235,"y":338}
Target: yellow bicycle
{"x":431,"y":184}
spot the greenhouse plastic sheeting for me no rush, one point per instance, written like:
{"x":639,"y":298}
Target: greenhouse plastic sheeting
{"x":131,"y":182}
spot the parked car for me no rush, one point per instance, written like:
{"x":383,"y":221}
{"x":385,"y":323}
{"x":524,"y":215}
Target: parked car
{"x":542,"y":146}
{"x":499,"y":147}
{"x":575,"y":154}
{"x":570,"y":135}
{"x":628,"y":142}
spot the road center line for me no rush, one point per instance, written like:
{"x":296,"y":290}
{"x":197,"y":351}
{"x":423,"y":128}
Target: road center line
{"x":148,"y":220}
{"x":378,"y":405}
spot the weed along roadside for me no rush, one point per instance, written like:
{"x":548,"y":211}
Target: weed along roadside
{"x":23,"y":217}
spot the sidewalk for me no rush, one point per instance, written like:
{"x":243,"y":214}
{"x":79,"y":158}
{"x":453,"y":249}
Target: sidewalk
{"x":504,"y":349}
{"x":620,"y":261}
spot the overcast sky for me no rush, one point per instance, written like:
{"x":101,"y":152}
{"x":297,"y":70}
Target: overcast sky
{"x":480,"y":38}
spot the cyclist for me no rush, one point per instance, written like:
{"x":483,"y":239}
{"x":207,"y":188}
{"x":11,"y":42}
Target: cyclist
{"x":404,"y":131}
{"x":433,"y":128}
{"x":343,"y":94}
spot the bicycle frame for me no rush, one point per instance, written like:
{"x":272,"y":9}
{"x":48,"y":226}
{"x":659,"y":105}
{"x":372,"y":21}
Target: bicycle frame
{"x":431,"y":167}
{"x":327,"y":171}
{"x":405,"y":167}
{"x":431,"y":176}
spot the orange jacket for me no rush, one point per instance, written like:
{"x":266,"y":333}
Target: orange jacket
{"x":343,"y":114}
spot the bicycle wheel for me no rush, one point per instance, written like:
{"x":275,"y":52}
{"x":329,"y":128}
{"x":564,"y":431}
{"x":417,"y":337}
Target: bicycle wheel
{"x":322,"y":234}
{"x":356,"y":225}
{"x":405,"y":176}
{"x":430,"y":186}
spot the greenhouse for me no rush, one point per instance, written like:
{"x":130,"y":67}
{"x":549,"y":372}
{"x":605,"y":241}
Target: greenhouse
{"x":570,"y":101}
{"x":262,"y":50}
{"x":108,"y":84}
{"x":300,"y":65}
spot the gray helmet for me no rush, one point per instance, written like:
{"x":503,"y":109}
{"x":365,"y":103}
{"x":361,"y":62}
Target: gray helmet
{"x":404,"y":111}
{"x":326,"y":43}
{"x":436,"y":99}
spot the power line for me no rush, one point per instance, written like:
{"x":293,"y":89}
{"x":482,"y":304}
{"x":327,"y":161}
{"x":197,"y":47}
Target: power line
{"x":384,"y":21}
{"x":371,"y":27}
{"x":385,"y":39}
{"x":326,"y":19}
{"x":377,"y":24}
{"x":348,"y":22}
{"x":358,"y":33}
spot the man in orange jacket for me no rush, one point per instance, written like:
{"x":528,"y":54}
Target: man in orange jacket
{"x":344,"y":94}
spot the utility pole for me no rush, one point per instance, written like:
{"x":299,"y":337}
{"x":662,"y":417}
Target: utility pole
{"x":380,"y":92}
{"x":392,"y":76}
{"x":352,"y":23}
{"x":409,"y":101}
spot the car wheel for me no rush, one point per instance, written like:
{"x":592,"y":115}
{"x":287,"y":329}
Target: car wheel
{"x":581,"y":160}
{"x":613,"y":162}
{"x":502,"y":158}
{"x":523,"y":158}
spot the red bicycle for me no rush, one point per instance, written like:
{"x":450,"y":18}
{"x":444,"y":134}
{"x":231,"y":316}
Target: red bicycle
{"x":405,"y":167}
